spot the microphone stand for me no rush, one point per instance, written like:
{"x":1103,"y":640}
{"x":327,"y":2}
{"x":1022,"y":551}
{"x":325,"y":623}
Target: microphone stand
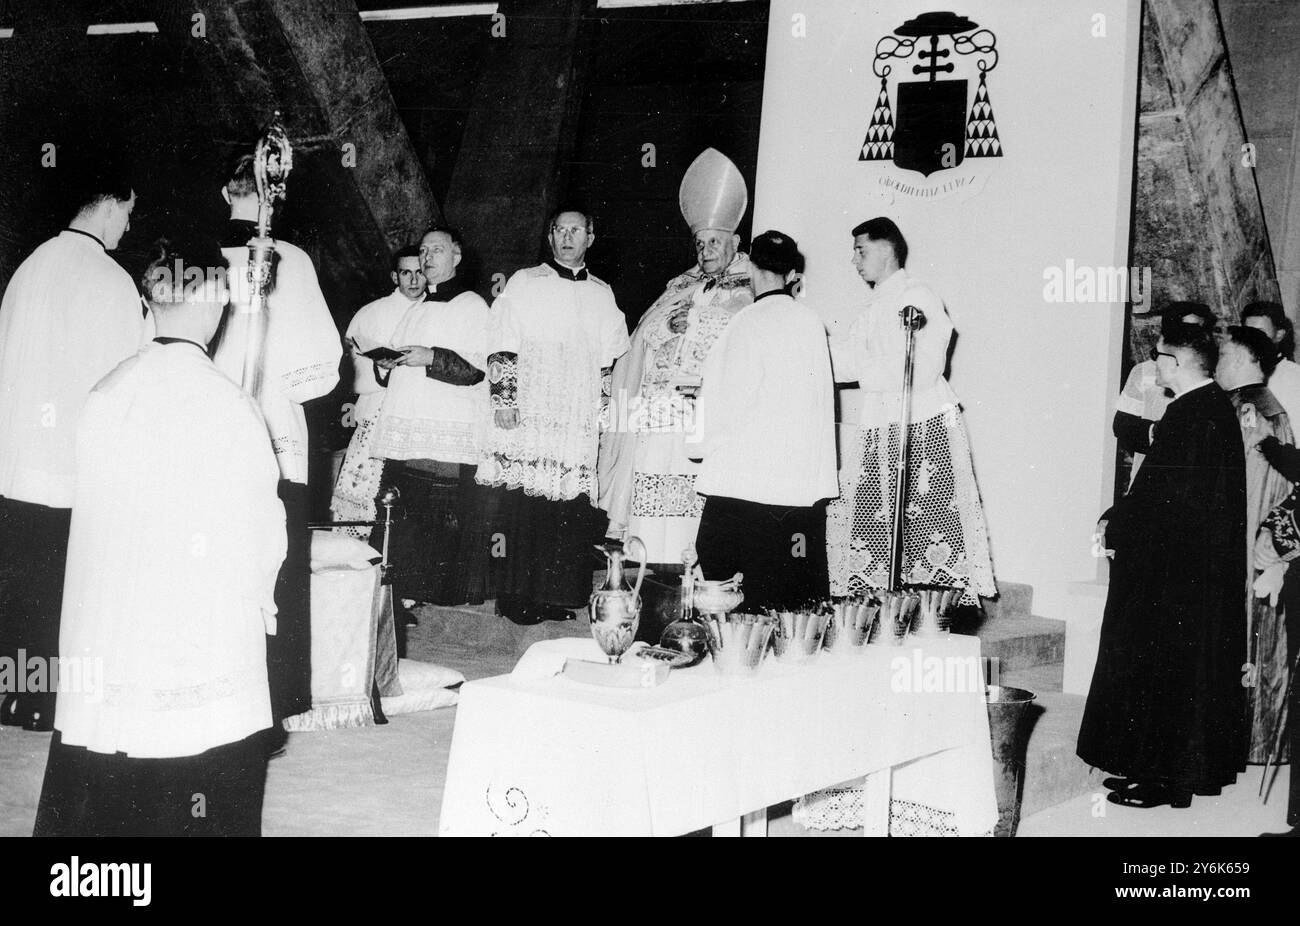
{"x":912,"y":319}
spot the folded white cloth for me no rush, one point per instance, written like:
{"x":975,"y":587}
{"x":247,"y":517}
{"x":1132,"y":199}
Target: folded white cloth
{"x":546,"y":658}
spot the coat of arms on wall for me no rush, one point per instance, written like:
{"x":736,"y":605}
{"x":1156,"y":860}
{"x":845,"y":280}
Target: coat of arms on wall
{"x":929,"y":130}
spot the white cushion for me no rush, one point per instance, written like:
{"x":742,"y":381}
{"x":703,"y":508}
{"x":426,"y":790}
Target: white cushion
{"x":410,"y":702}
{"x":334,"y":550}
{"x":424,"y":687}
{"x":414,"y":675}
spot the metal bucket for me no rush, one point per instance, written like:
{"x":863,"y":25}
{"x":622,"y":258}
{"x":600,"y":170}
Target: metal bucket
{"x":1007,"y":708}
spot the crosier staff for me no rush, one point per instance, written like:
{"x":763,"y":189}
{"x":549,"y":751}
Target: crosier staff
{"x":272,"y":161}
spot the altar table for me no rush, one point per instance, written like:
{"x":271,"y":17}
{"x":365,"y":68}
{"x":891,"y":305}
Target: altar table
{"x":553,"y":756}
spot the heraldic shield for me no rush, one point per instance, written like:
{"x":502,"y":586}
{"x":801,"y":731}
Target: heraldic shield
{"x":933,"y":130}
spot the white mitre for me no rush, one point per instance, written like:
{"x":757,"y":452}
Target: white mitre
{"x":713,"y":193}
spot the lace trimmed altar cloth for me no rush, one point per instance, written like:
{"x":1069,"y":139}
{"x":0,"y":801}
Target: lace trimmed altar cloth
{"x":551,"y":756}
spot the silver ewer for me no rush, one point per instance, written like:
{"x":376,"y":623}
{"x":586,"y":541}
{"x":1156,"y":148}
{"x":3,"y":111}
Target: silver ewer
{"x":615,"y":609}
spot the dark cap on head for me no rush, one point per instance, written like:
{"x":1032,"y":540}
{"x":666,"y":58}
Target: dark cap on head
{"x":776,"y":252}
{"x":1175,"y":312}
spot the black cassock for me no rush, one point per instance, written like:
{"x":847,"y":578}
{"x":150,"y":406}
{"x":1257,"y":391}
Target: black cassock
{"x":1166,"y":702}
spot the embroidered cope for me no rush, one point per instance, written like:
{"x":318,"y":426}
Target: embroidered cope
{"x":646,"y":474}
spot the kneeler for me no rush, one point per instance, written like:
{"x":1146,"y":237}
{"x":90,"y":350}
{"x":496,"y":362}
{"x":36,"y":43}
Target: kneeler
{"x":354,"y":642}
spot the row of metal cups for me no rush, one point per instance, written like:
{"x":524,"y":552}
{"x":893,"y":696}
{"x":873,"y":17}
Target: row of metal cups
{"x":738,"y":643}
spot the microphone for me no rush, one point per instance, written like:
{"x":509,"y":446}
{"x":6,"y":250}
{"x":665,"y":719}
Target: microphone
{"x":912,"y":317}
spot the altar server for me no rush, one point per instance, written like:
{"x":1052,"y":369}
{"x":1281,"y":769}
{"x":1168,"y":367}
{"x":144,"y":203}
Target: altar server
{"x":767,"y":439}
{"x":372,"y":327}
{"x":70,"y":314}
{"x":177,"y":537}
{"x":945,"y":541}
{"x":647,"y":479}
{"x":300,"y":362}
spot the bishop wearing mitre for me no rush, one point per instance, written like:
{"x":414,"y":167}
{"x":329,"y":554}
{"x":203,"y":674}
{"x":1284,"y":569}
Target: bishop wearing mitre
{"x":646,"y":478}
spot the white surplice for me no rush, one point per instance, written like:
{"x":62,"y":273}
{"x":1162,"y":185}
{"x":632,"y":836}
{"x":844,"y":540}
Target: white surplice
{"x":374,"y":326}
{"x":945,"y":539}
{"x":424,"y":418}
{"x":565,"y":332}
{"x":70,"y":314}
{"x":302,"y":354}
{"x":177,"y":537}
{"x":359,"y":476}
{"x":766,"y":416}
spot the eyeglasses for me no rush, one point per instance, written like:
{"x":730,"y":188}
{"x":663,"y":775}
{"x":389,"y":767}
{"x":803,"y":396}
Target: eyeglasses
{"x":1157,"y":354}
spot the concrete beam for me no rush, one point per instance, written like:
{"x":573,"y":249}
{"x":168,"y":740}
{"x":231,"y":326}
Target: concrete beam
{"x":1199,"y":223}
{"x":511,"y":169}
{"x":316,"y":65}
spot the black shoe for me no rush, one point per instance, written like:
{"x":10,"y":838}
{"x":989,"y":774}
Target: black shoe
{"x":1293,"y":831}
{"x":1118,"y":784}
{"x":9,"y":715}
{"x":34,"y":712}
{"x":517,"y":612}
{"x":1146,"y":796}
{"x":42,"y":721}
{"x":554,"y":613}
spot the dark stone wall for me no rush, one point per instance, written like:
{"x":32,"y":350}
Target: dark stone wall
{"x":1198,"y":222}
{"x":680,"y":78}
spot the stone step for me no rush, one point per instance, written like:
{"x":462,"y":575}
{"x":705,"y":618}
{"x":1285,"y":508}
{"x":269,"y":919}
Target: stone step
{"x":1022,"y":641}
{"x":1018,"y":641}
{"x":1014,"y":599}
{"x":476,"y":640}
{"x":1038,"y":679}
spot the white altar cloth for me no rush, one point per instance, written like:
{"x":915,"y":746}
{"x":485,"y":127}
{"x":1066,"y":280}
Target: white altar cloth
{"x":551,"y":756}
